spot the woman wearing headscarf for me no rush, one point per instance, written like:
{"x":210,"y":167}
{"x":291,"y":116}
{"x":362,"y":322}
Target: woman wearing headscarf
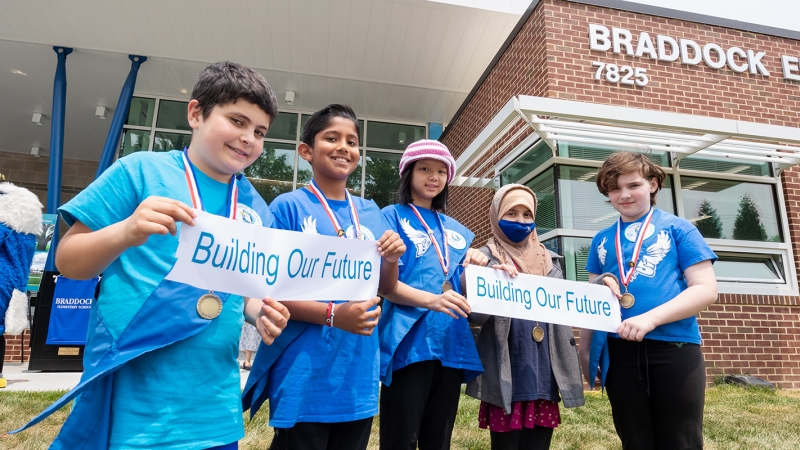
{"x":529,"y":366}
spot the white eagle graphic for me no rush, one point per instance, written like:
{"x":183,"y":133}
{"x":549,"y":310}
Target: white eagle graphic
{"x":655,"y":253}
{"x":419,"y":238}
{"x":601,"y":251}
{"x":309,"y":225}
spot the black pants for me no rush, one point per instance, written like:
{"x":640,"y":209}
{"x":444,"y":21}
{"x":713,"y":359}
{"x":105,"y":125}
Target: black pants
{"x":420,"y":406}
{"x":2,"y":351}
{"x":537,"y":438}
{"x":323,"y":436}
{"x":657,"y":393}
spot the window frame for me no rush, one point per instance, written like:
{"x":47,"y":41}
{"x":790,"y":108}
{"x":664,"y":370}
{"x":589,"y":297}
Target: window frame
{"x":771,"y":250}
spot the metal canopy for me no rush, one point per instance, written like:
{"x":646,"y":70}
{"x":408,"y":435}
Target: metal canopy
{"x":682,"y":135}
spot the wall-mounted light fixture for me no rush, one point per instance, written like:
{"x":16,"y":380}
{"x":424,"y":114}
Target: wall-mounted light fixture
{"x":37,"y":118}
{"x":401,"y":137}
{"x":100,"y":112}
{"x":35,"y":151}
{"x":290,"y":97}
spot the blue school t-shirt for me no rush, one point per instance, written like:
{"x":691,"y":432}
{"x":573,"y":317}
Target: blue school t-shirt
{"x":435,"y":335}
{"x":326,"y":374}
{"x":671,"y":246}
{"x":186,"y":395}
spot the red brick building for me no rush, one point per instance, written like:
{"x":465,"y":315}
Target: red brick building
{"x":715,"y":105}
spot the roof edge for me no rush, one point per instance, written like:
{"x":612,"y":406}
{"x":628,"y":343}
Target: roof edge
{"x":630,"y":7}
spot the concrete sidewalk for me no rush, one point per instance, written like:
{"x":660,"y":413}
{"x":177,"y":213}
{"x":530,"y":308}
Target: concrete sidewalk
{"x":21,"y":379}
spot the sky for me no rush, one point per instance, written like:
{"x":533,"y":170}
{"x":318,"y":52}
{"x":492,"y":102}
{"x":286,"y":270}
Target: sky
{"x":774,"y":13}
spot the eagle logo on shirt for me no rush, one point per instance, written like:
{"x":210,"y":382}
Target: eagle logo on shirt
{"x":601,"y":251}
{"x":247,"y":214}
{"x":309,"y":225}
{"x":655,"y":254}
{"x":419,"y":238}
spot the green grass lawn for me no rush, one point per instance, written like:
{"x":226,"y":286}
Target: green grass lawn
{"x":735,"y":418}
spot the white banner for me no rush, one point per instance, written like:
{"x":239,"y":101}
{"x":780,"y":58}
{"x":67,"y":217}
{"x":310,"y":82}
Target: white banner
{"x":549,"y":300}
{"x":223,"y":255}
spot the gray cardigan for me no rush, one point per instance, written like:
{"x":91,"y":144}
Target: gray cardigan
{"x":495,"y":385}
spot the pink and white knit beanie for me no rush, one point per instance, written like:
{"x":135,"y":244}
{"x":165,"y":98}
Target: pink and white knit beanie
{"x":428,"y":149}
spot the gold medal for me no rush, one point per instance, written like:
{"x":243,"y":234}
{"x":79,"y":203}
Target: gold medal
{"x":209,"y":306}
{"x":340,"y":233}
{"x":446,"y":286}
{"x":627,"y":300}
{"x":538,"y":333}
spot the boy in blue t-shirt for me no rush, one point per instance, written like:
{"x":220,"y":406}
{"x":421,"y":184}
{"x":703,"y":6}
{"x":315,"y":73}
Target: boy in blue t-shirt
{"x":323,"y":385}
{"x":161,"y":370}
{"x":652,"y":366}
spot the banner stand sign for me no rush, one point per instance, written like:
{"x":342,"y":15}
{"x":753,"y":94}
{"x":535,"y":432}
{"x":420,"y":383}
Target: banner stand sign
{"x":543,"y":299}
{"x":69,"y":316}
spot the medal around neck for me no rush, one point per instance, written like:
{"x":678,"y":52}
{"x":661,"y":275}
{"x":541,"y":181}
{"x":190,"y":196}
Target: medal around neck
{"x":627,"y":300}
{"x":209,"y":306}
{"x":627,"y":271}
{"x":446,"y":286}
{"x":537,"y":333}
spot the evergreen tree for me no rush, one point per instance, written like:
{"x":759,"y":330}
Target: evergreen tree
{"x":748,"y":226}
{"x":708,"y":223}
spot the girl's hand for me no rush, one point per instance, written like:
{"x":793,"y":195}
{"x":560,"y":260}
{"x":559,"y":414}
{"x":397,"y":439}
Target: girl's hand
{"x":156,"y":215}
{"x":272,"y":319}
{"x":612,"y":284}
{"x":355,"y":317}
{"x":635,"y":328}
{"x":508,"y":268}
{"x":475,"y":257}
{"x":448,"y":301}
{"x":391,"y":246}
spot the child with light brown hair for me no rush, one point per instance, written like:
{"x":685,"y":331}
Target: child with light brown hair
{"x":652,"y":366}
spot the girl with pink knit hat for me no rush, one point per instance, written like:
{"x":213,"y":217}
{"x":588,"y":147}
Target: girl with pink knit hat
{"x":426,"y":347}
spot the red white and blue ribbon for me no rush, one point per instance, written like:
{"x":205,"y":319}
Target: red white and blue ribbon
{"x":444,"y":257}
{"x":353,"y":213}
{"x":194,"y":191}
{"x":626,"y":276}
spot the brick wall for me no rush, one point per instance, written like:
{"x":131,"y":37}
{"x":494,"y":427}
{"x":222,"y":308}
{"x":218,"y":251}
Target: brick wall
{"x":31,"y":173}
{"x":550,"y":57}
{"x":18,"y":347}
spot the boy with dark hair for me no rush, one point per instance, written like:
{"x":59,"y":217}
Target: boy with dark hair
{"x":321,"y":376}
{"x":160,"y":370}
{"x":652,"y":366}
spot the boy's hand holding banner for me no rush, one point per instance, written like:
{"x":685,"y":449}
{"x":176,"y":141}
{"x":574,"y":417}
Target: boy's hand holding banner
{"x":223,"y":255}
{"x":550,"y":300}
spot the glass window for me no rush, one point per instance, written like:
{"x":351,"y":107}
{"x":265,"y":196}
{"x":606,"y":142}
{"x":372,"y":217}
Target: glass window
{"x":538,"y":154}
{"x":583,"y":207}
{"x":382,"y":177}
{"x":172,"y":115}
{"x":748,"y":268}
{"x":596,"y":152}
{"x":165,"y":142}
{"x":710,"y":164}
{"x":723,"y":209}
{"x":393,"y":136}
{"x":304,"y":118}
{"x":544,"y":188}
{"x":134,"y":141}
{"x":272,"y":173}
{"x":576,"y":252}
{"x":141,"y":112}
{"x":283,"y":127}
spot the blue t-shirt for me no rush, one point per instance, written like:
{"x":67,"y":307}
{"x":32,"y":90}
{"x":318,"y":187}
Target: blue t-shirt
{"x":435,"y":335}
{"x":671,"y":246}
{"x":186,"y":395}
{"x":326,"y":374}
